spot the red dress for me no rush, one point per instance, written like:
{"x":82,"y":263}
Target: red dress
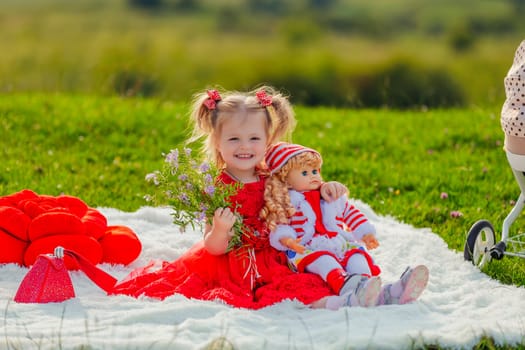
{"x":253,"y":276}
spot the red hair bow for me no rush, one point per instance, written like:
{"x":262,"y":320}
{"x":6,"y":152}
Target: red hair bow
{"x":213,"y":95}
{"x":264,"y":99}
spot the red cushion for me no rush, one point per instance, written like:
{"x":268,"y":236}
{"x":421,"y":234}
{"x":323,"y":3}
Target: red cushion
{"x":81,"y":244}
{"x":55,"y":223}
{"x":15,"y":198}
{"x":11,"y":249}
{"x":95,"y":223}
{"x":75,"y":205}
{"x":37,"y":206}
{"x":30,"y":207}
{"x":14,"y":222}
{"x":120,"y":245}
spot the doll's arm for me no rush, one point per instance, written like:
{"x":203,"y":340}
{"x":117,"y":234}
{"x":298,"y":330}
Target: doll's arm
{"x":284,"y":237}
{"x":362,"y":229}
{"x":366,"y":233}
{"x":293,"y":244}
{"x":218,"y":235}
{"x":370,"y":241}
{"x":332,"y":190}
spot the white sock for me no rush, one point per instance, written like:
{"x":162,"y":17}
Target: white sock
{"x":335,"y":302}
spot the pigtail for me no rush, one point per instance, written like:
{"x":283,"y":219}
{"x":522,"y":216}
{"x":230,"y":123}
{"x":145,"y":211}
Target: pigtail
{"x":285,"y":119}
{"x":281,"y":117}
{"x":204,"y":117}
{"x":201,"y":115}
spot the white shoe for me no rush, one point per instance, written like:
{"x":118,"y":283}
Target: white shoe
{"x":365,"y":294}
{"x":413,"y":282}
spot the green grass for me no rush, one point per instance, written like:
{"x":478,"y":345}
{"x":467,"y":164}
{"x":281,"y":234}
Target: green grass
{"x":100,"y":149}
{"x":96,"y":148}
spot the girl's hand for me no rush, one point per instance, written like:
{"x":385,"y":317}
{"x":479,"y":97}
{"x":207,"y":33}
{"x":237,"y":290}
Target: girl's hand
{"x":217,"y":237}
{"x":293,"y":244}
{"x":370,"y":241}
{"x":223,"y":221}
{"x":332,"y":190}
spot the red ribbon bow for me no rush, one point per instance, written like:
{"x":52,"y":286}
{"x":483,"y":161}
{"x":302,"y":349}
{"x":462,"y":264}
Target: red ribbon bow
{"x":264,"y":99}
{"x":213,"y":95}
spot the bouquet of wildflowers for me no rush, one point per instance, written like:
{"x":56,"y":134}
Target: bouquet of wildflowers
{"x":190,"y":189}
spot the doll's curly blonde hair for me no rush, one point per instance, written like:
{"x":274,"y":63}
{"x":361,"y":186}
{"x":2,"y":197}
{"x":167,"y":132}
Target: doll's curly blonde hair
{"x":277,"y":208}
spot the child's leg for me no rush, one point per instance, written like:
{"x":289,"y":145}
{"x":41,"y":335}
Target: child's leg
{"x":409,"y":287}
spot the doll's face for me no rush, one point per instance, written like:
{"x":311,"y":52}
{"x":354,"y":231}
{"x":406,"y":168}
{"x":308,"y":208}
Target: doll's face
{"x":304,"y":178}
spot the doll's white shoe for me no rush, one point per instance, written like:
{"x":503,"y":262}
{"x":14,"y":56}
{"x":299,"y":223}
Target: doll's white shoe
{"x":413,"y":282}
{"x":365,"y":294}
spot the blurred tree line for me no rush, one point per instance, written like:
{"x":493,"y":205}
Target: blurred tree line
{"x":394,"y":53}
{"x":400,"y":84}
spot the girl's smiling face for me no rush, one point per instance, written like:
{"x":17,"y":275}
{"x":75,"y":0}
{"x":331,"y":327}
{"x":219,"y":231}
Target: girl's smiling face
{"x":242,"y":144}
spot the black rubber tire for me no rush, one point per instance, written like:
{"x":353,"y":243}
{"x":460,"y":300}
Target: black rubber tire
{"x":480,"y":239}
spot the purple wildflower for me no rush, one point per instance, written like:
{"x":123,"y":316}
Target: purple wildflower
{"x":184,"y":198}
{"x":172,"y":158}
{"x":150,"y":177}
{"x":208,"y":179}
{"x":204,"y":168}
{"x":153,"y":177}
{"x":201,"y":215}
{"x":210,"y":190}
{"x":183,"y":177}
{"x":443,"y":195}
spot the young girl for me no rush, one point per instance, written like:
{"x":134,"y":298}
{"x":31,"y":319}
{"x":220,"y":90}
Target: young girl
{"x":322,"y":237}
{"x":237,"y":129}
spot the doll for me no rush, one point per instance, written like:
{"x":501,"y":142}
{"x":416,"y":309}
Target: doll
{"x":328,"y":239}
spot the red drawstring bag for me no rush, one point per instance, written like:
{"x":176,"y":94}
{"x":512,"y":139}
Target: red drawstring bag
{"x":48,"y":279}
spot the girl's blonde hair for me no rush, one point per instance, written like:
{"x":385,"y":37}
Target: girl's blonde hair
{"x":278,"y":208}
{"x":280,"y":118}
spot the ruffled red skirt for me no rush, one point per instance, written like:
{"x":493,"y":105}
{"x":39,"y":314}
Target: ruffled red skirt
{"x":237,"y":278}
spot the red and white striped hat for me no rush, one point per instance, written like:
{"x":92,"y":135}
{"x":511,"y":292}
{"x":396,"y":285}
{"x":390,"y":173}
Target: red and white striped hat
{"x":280,"y":153}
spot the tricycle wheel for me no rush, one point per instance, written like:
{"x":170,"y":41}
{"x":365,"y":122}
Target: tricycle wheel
{"x":480,"y":239}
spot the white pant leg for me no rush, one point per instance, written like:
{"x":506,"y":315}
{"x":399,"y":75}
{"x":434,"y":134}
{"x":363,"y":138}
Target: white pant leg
{"x":323,"y":265}
{"x":357,"y":264}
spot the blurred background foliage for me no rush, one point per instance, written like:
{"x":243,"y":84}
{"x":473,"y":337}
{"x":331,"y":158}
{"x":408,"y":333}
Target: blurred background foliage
{"x":344,"y":53}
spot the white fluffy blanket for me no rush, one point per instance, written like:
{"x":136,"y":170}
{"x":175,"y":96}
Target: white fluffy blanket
{"x":460,"y":305}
